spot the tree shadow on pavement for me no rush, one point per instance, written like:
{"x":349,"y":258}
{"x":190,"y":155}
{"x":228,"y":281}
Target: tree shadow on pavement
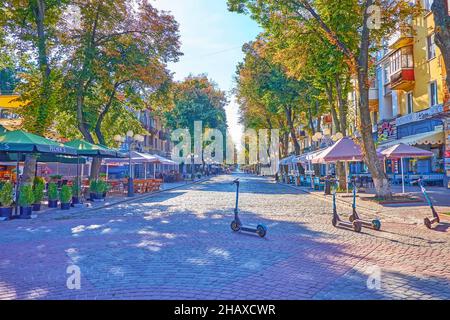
{"x":162,"y":252}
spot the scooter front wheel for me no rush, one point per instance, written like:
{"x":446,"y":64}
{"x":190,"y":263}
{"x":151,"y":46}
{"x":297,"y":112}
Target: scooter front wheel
{"x":357,"y":226}
{"x":376,"y":224}
{"x":334,"y":222}
{"x":235,"y":226}
{"x":261,"y":230}
{"x":427,"y":223}
{"x":351,"y":218}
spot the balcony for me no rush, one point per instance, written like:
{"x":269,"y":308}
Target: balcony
{"x":403,"y":79}
{"x":402,"y":69}
{"x":405,"y":38}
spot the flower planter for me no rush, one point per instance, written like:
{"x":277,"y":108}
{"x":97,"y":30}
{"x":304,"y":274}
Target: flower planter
{"x":53,"y":203}
{"x":36,"y":207}
{"x":75,"y":200}
{"x":65,"y":206}
{"x":25,"y":212}
{"x":6,"y":212}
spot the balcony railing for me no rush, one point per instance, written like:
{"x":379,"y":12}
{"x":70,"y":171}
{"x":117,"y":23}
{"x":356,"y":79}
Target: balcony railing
{"x":403,"y":79}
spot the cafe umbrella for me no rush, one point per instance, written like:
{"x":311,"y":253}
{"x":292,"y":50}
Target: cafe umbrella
{"x":87,"y":149}
{"x":21,"y":142}
{"x":401,"y":151}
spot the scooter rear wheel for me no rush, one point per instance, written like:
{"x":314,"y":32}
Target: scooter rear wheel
{"x":427,"y":223}
{"x":235,"y":226}
{"x":261,"y":230}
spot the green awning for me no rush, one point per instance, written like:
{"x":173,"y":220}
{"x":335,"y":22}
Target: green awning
{"x":44,"y":157}
{"x":85,"y":148}
{"x":25,"y":142}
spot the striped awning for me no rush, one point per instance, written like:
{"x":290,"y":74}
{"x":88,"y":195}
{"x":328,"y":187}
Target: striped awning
{"x":432,"y":137}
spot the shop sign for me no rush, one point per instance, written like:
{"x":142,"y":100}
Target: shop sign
{"x":421,"y":115}
{"x":388,"y":129}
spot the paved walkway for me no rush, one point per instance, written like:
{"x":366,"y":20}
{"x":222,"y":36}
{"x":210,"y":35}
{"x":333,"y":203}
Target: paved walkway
{"x":178,"y":245}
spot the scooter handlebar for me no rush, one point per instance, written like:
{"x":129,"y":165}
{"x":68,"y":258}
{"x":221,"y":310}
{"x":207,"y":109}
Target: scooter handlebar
{"x":236,"y":181}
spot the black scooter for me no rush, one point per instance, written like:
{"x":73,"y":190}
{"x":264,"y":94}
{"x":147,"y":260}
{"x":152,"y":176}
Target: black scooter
{"x":374,"y":224}
{"x":236,"y":225}
{"x":337,"y":222}
{"x":435,"y":219}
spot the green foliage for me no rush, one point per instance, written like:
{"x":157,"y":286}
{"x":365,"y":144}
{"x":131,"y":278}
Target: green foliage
{"x":6,"y":194}
{"x":56,"y":177}
{"x":66,"y":194}
{"x":38,"y":189}
{"x":98,"y":186}
{"x":76,"y":188}
{"x":26,"y":197}
{"x":52,"y":191}
{"x":197,"y":98}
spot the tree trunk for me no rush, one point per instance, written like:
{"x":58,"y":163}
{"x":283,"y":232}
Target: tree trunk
{"x":442,"y":36}
{"x":342,"y":106}
{"x":95,"y":168}
{"x":29,"y":168}
{"x":381,"y":182}
{"x":288,"y":112}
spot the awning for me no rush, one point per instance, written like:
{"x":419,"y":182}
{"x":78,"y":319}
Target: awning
{"x":432,"y":137}
{"x":289,"y":160}
{"x":305,"y":158}
{"x":136,"y":158}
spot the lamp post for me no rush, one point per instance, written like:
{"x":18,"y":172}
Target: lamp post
{"x":131,"y":140}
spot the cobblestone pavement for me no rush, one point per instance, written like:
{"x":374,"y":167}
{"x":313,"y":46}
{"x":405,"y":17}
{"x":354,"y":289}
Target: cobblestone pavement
{"x":178,"y":245}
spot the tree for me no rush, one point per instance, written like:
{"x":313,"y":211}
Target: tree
{"x":375,"y":19}
{"x":31,"y":24}
{"x":440,"y":11}
{"x":197,"y":98}
{"x":118,"y":53}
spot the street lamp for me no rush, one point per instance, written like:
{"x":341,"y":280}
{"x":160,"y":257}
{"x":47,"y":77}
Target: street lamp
{"x":131,"y":139}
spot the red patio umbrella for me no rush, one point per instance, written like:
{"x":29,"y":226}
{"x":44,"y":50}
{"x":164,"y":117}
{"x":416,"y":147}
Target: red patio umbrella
{"x":400,"y":151}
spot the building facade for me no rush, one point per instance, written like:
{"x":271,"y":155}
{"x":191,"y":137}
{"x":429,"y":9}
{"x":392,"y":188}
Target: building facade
{"x":409,"y":95}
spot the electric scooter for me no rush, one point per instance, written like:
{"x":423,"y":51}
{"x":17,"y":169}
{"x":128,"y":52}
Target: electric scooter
{"x":374,"y":224}
{"x":236,"y":225}
{"x":337,"y":222}
{"x":435,"y":219}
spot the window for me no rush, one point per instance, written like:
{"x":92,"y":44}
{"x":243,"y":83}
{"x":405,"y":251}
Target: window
{"x":409,"y":102}
{"x":433,"y":94}
{"x":431,"y":47}
{"x":428,"y":4}
{"x":386,"y":74}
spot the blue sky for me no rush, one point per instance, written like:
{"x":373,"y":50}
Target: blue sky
{"x":211,"y":38}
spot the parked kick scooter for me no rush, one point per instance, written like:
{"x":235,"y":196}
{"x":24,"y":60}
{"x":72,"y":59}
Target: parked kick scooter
{"x":374,"y":224}
{"x":427,"y":221}
{"x":236,"y":225}
{"x":337,"y":222}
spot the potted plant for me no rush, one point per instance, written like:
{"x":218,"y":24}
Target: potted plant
{"x":26,"y":199}
{"x":6,"y":200}
{"x":38,"y":192}
{"x":52,"y":195}
{"x":56,"y":178}
{"x":65,"y":196}
{"x":75,"y":192}
{"x":97,"y":190}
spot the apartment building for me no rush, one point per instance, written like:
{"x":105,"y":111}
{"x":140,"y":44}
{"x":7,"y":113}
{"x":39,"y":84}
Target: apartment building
{"x":408,"y":96}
